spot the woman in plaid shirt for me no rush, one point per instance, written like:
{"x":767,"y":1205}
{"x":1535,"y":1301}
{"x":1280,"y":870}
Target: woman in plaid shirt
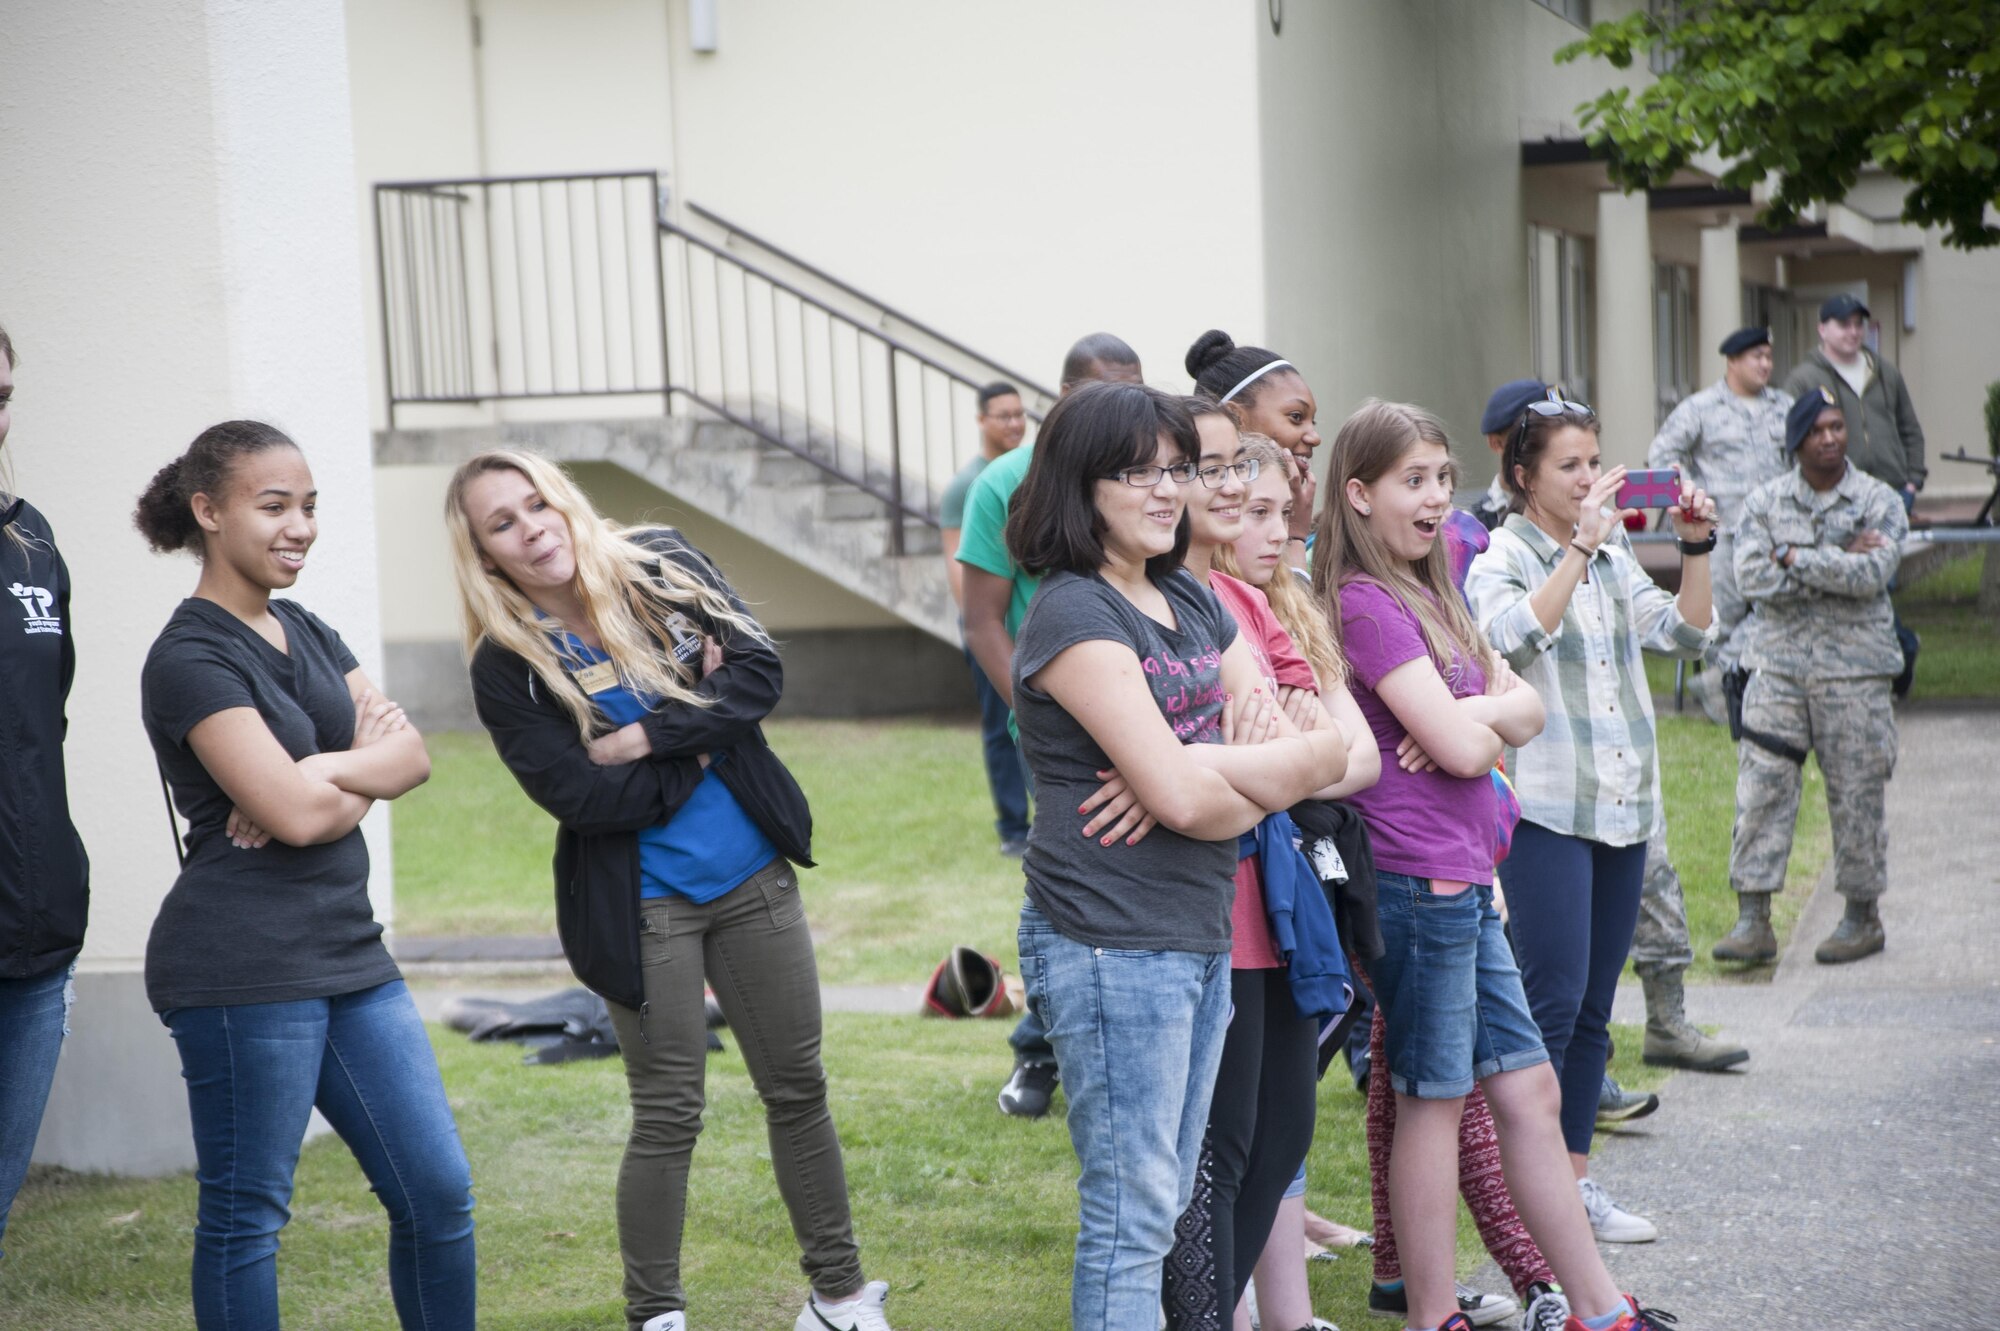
{"x":1570,"y":610}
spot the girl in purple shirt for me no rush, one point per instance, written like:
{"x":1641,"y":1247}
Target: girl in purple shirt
{"x":1441,"y":706}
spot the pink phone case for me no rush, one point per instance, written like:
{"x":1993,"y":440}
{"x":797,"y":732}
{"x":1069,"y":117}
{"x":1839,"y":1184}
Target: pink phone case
{"x":1650,"y":489}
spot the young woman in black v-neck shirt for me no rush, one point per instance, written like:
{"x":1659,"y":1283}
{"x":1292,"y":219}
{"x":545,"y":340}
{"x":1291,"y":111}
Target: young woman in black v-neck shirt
{"x":266,"y":961}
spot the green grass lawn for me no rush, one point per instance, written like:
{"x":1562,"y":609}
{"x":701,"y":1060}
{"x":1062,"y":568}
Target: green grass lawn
{"x":1961,"y":648}
{"x":970,"y":1215}
{"x":902,"y":827}
{"x":908,"y":866}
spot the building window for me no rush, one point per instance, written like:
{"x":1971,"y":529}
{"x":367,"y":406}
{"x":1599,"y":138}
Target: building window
{"x":1576,"y":11}
{"x":1667,"y":12}
{"x":1673,"y":336}
{"x":1559,"y":308}
{"x":1768,"y":307}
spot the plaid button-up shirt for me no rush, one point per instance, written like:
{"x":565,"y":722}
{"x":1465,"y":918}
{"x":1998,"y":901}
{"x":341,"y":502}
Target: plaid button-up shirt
{"x":1594,"y":770}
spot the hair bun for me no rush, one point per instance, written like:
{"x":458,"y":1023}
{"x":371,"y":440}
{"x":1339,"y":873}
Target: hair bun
{"x":1209,"y":348}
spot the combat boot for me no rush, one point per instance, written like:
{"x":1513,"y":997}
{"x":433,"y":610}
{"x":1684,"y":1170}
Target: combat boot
{"x":1751,"y":939}
{"x":1858,"y":935}
{"x":1672,"y":1041}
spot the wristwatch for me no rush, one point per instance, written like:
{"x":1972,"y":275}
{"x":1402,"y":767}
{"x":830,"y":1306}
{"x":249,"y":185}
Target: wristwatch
{"x":1781,"y":551}
{"x":1701,"y":547}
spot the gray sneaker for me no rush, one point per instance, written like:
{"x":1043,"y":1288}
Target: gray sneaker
{"x":1615,"y":1104}
{"x":1547,"y":1309}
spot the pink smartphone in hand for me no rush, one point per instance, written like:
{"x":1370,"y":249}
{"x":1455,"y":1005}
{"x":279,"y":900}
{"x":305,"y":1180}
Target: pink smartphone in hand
{"x":1650,"y":489}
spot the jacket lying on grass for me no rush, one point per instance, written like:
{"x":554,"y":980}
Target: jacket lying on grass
{"x":602,"y":809}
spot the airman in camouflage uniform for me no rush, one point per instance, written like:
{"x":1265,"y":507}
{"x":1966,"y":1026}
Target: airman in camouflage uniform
{"x":1731,"y":438}
{"x":1815,"y":552}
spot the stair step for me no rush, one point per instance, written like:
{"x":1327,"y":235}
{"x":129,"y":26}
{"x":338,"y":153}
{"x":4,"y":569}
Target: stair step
{"x":920,"y":538}
{"x":777,"y":467}
{"x":840,"y":503}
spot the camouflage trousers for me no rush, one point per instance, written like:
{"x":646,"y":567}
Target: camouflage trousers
{"x":1850,"y":726}
{"x":1661,"y":941}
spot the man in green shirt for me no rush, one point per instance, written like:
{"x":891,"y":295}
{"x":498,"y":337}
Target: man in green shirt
{"x":1002,"y":423}
{"x":996,"y":592}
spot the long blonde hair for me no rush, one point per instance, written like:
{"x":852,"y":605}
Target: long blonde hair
{"x":1370,"y":442}
{"x":1301,"y":615}
{"x":631,"y":595}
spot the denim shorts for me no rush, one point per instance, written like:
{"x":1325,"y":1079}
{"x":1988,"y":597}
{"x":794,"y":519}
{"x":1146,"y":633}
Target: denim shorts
{"x":1452,"y":1006}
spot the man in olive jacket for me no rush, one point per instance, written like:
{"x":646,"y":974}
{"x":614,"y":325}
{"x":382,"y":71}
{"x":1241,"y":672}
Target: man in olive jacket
{"x":1883,"y":437}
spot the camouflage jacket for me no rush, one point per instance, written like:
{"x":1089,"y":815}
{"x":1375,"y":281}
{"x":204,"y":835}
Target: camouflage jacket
{"x":1827,"y":616}
{"x":1730,"y":445}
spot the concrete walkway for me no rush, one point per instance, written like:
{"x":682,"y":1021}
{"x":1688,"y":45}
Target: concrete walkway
{"x":1850,"y":1177}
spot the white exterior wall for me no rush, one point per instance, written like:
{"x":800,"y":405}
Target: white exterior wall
{"x":180,"y":243}
{"x":1015,"y":177}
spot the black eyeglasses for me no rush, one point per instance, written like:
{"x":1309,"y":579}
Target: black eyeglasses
{"x":1148,"y":476}
{"x":1215,"y":473}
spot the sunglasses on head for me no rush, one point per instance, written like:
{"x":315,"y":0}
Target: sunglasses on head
{"x":1555,"y":405}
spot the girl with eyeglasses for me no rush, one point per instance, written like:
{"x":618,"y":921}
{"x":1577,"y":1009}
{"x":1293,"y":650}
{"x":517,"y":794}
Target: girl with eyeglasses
{"x":1571,"y":610}
{"x":1453,"y":1010}
{"x":1260,"y":1122}
{"x":1125,"y":663}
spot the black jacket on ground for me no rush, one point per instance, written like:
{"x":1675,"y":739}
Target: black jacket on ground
{"x":603,"y":809}
{"x":44,"y":873}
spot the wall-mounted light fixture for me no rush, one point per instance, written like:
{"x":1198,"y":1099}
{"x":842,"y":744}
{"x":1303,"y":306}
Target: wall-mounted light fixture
{"x":702,"y":26}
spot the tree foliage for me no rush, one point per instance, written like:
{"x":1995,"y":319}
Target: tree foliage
{"x":1807,"y":93}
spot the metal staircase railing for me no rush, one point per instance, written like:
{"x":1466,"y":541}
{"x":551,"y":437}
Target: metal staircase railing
{"x":547,"y":287}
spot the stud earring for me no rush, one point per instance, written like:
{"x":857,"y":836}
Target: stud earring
{"x":1366,"y":511}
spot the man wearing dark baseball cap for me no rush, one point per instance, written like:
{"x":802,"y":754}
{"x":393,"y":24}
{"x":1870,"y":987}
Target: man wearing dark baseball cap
{"x":1502,"y":415}
{"x":1883,"y":436}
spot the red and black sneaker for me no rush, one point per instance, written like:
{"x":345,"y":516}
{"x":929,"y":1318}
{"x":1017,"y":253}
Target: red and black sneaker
{"x":1635,"y":1319}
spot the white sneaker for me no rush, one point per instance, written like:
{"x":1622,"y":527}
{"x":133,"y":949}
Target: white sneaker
{"x":863,"y":1312}
{"x":1611,"y":1222}
{"x":674,"y":1321}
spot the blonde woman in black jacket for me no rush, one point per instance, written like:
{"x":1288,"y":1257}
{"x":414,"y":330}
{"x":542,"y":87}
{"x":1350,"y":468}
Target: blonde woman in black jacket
{"x":623,"y":684}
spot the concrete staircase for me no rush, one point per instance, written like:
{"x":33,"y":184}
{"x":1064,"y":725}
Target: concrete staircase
{"x":770,"y":494}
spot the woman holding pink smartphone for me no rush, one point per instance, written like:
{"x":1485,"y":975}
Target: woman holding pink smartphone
{"x":1571,"y":611}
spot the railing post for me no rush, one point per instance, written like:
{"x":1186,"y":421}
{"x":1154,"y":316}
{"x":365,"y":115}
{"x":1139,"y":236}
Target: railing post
{"x":895,"y":458}
{"x":382,"y":302}
{"x":659,"y":205}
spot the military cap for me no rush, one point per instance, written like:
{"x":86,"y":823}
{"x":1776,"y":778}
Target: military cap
{"x":1799,"y":421}
{"x":1743,"y":339}
{"x":1509,"y":400}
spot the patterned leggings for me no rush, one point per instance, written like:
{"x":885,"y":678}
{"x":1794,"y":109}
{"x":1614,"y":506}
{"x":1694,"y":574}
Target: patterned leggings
{"x":1480,"y":1181}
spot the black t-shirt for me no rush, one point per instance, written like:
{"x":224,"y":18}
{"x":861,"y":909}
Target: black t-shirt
{"x":279,"y":923}
{"x":1169,"y":891}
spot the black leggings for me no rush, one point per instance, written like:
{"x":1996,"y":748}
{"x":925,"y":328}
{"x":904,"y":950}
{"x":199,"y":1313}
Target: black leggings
{"x":1260,"y":1125}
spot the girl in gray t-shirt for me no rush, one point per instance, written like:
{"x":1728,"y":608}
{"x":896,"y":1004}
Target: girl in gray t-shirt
{"x":1125,"y":662}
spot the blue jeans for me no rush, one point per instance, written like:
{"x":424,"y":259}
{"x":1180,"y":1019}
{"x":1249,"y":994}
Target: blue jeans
{"x":1452,"y":1008}
{"x":34,"y":1014}
{"x":1006,"y":775}
{"x":255,"y":1072}
{"x":1138,"y":1035}
{"x":1574,"y":905}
